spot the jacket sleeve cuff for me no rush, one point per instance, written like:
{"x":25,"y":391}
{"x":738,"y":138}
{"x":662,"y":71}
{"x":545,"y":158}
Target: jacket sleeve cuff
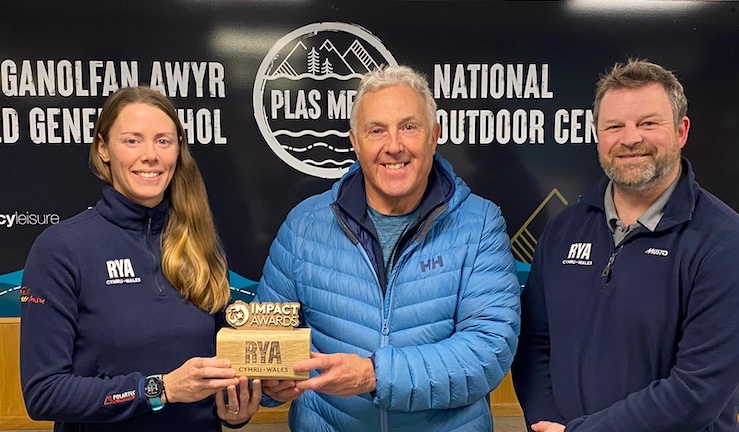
{"x":234,"y":426}
{"x":373,"y":393}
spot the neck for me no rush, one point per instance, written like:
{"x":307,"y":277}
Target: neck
{"x":396,"y":207}
{"x":631,"y":204}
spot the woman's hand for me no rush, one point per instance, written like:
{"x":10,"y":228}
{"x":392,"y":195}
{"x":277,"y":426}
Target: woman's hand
{"x":243,"y":401}
{"x":198,"y":378}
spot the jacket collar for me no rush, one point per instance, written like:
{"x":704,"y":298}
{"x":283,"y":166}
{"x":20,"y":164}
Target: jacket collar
{"x":125,"y":213}
{"x":352,"y":198}
{"x":678,"y":209}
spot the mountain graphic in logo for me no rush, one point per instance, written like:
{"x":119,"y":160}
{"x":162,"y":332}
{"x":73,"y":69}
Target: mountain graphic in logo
{"x":304,"y":91}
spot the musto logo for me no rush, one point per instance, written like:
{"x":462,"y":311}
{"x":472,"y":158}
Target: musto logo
{"x":304,"y":91}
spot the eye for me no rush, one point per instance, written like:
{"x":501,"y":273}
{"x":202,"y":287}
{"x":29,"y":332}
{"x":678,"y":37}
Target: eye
{"x":130,"y":141}
{"x":164,"y":142}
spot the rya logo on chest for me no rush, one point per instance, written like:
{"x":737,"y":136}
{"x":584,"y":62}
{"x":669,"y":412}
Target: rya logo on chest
{"x":120,"y":271}
{"x":579,"y":254}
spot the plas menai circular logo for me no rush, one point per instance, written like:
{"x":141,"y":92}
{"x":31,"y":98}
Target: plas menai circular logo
{"x":304,"y":91}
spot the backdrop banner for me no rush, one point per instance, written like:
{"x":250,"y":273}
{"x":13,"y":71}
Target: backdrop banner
{"x":264,"y":90}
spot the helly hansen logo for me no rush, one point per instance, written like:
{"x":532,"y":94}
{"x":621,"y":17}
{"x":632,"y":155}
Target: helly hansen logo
{"x":579,"y":254}
{"x":120,"y":271}
{"x":656,"y":252}
{"x":431,"y":264}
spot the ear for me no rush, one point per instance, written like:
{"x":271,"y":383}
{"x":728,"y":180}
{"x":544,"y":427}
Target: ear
{"x":353,"y":140}
{"x":682,"y":131}
{"x":103,"y":149}
{"x":435,"y":137}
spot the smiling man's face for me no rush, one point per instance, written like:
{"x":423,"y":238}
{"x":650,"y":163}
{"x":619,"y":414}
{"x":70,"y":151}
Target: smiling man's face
{"x":639,"y":144}
{"x":395,"y":146}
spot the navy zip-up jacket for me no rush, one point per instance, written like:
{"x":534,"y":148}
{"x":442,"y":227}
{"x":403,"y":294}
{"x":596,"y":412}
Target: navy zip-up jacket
{"x":97,"y":315}
{"x":639,"y":337}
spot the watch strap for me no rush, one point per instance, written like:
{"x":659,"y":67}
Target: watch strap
{"x":154,"y":390}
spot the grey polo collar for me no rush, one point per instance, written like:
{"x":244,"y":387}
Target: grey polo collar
{"x":650,"y":218}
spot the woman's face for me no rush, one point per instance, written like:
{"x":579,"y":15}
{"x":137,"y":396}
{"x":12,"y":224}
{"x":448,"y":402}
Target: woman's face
{"x":142,"y":150}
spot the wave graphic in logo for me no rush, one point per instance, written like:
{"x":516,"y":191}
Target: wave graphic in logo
{"x":304,"y":90}
{"x":10,"y":291}
{"x":10,"y":294}
{"x":241,"y":287}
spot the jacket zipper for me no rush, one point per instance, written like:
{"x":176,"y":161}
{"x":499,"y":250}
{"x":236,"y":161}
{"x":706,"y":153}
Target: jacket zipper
{"x":385,"y":327}
{"x":608,"y":270}
{"x":157,"y":265}
{"x":387,"y":299}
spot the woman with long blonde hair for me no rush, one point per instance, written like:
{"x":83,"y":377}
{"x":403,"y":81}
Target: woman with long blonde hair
{"x":125,"y":336}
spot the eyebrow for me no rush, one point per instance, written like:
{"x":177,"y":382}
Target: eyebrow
{"x":373,"y":123}
{"x":138,"y":134}
{"x":641,"y":118}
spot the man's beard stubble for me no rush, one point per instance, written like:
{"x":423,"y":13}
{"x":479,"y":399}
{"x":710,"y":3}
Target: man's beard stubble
{"x":642,"y":176}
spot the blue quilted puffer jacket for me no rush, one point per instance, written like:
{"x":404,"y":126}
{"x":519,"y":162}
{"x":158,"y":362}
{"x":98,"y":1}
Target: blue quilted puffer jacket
{"x":443,"y":329}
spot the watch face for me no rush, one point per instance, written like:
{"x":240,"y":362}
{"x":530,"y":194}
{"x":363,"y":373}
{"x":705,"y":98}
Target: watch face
{"x":153,"y":387}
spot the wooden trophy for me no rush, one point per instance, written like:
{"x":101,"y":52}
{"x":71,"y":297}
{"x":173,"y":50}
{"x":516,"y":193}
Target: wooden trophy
{"x":264,"y":342}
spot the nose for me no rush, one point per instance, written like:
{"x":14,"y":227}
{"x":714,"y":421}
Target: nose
{"x":631,"y":135}
{"x":394,"y":145}
{"x":149,"y":152}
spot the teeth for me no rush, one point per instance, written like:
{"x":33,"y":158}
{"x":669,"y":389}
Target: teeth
{"x":395,"y":166}
{"x":148,"y":174}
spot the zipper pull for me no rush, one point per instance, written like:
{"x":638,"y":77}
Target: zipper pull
{"x":609,"y":267}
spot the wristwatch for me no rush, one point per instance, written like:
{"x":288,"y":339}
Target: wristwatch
{"x":153,"y":390}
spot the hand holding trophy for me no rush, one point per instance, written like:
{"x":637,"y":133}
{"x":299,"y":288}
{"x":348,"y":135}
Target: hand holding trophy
{"x":264,"y":342}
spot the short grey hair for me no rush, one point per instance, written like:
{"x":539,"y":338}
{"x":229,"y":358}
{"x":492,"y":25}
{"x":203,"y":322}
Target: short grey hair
{"x":387,"y":76}
{"x":637,"y":74}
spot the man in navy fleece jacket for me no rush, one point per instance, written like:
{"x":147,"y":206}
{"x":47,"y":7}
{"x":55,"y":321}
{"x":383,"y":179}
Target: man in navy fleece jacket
{"x":629,"y":316}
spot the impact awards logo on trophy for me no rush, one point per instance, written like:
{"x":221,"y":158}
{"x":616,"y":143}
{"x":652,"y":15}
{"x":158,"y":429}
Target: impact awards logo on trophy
{"x":264,"y":342}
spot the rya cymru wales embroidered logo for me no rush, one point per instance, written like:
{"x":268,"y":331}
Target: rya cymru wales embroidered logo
{"x":120,"y":271}
{"x":579,"y":254}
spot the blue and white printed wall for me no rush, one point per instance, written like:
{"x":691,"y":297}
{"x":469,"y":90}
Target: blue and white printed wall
{"x":264,"y":90}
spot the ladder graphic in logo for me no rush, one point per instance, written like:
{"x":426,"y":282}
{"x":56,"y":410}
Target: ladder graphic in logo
{"x":361,"y":52}
{"x":524,"y":242}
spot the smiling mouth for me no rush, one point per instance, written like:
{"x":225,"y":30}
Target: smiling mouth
{"x":633,"y":155}
{"x":395,"y":166}
{"x":147,"y":175}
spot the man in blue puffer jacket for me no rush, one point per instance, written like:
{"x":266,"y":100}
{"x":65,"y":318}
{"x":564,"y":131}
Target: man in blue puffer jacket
{"x":405,"y":278}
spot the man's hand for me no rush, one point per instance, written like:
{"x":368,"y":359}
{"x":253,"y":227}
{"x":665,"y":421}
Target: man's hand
{"x":281,"y":391}
{"x":341,"y":374}
{"x":545,"y":426}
